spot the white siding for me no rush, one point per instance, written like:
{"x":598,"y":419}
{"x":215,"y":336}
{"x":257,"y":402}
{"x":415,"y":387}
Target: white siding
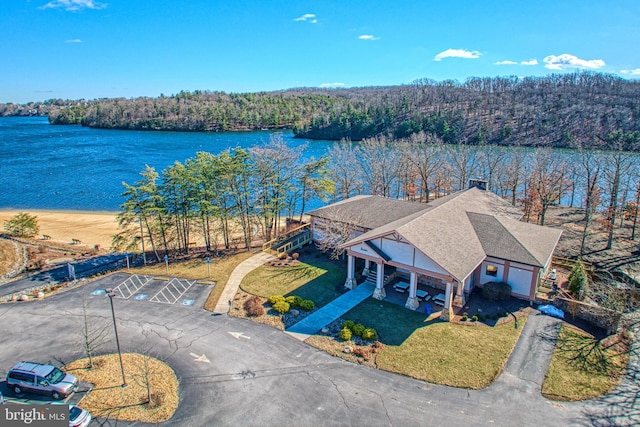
{"x":520,"y":281}
{"x":397,"y":251}
{"x":485,"y":278}
{"x":427,"y":264}
{"x":364,"y":250}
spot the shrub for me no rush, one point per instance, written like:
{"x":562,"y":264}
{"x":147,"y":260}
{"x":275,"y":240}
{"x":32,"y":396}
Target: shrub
{"x":358,"y":329}
{"x":293,"y":300}
{"x":507,"y":314}
{"x":253,"y":306}
{"x":496,"y":291}
{"x":349,"y":324}
{"x":474,"y":319}
{"x":307,"y":305}
{"x":369,"y":334}
{"x":275,"y":299}
{"x":281,"y":307}
{"x":364,"y":352}
{"x":465,"y":317}
{"x":577,"y":279}
{"x":480,"y":317}
{"x":345,"y":334}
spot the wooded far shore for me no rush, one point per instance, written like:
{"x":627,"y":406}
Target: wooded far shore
{"x":580,"y":109}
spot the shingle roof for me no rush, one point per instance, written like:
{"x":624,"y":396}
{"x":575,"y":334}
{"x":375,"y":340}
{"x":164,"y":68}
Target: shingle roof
{"x":368,"y":211}
{"x":447,"y":232}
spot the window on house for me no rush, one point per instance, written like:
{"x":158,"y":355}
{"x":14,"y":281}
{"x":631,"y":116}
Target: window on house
{"x":491,"y":270}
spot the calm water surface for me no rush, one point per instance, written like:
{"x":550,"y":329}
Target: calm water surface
{"x":72,"y":167}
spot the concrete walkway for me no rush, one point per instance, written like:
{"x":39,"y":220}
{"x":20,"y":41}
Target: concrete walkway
{"x":233,"y":284}
{"x":330,"y":312}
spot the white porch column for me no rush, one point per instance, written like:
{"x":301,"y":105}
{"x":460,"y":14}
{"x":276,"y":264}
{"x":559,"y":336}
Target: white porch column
{"x":379,"y":292}
{"x":367,"y":265}
{"x":459,"y":300}
{"x":412,"y":302}
{"x":351,"y":273}
{"x":446,"y":310}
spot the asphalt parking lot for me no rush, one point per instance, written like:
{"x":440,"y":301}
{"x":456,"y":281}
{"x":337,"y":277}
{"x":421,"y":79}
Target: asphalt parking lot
{"x":155,"y":289}
{"x":236,"y":372}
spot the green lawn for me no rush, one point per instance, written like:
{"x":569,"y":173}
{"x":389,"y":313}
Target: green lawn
{"x":439,"y":352}
{"x":317,"y":280}
{"x":568,"y":379}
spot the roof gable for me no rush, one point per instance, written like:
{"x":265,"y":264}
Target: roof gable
{"x":459,"y":231}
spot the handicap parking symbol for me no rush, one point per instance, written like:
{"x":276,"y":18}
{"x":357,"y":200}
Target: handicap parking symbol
{"x":188,"y":301}
{"x":98,"y":292}
{"x":141,"y":297}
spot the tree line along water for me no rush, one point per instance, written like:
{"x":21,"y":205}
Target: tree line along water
{"x":80,"y":168}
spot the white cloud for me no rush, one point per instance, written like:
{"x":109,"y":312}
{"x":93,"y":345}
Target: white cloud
{"x":457,"y":53}
{"x":307,"y":17}
{"x":532,"y":61}
{"x":74,"y":5}
{"x":635,"y":72}
{"x":73,"y":41}
{"x":336,"y":84}
{"x":505,"y":62}
{"x":566,"y":60}
{"x":368,"y":37}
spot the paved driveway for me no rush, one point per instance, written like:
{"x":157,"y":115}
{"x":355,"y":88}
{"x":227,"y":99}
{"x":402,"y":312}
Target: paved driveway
{"x":236,"y":372}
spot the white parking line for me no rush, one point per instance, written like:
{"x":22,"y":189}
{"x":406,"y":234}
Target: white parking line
{"x":173,"y":287}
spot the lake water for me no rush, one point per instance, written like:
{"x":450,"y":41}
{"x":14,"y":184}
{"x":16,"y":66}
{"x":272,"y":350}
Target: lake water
{"x":78,"y":168}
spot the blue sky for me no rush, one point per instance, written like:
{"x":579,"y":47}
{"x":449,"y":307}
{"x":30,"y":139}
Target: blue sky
{"x":126,"y":48}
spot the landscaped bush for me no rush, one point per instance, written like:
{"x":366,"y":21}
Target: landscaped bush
{"x":496,"y":291}
{"x":281,"y":307}
{"x":349,"y":324}
{"x":345,"y":334}
{"x":307,"y":305}
{"x":474,"y":319}
{"x":293,"y":300}
{"x":369,"y":334}
{"x":358,"y":329}
{"x":275,"y":298}
{"x":465,"y":317}
{"x":253,"y":306}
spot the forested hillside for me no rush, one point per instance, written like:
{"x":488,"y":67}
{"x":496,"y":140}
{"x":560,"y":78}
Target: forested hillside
{"x":552,"y":111}
{"x":557,"y":110}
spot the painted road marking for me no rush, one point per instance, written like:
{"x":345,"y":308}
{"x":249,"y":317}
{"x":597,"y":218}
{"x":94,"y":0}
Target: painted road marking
{"x":202,"y":358}
{"x":238,"y":335}
{"x":188,"y":301}
{"x":172,"y":291}
{"x":141,"y":297}
{"x":132,"y":285}
{"x":99,"y":292}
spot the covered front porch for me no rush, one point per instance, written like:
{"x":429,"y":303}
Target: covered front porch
{"x":411,"y":287}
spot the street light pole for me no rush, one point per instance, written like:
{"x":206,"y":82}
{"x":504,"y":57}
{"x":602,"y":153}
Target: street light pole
{"x":112,"y":294}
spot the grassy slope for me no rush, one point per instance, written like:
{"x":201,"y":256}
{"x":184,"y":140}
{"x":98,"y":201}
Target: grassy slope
{"x":568,"y":380}
{"x":316,"y":280}
{"x":469,"y":356}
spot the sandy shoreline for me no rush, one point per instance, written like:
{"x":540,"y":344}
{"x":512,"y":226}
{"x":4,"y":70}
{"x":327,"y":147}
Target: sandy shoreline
{"x":90,"y":227}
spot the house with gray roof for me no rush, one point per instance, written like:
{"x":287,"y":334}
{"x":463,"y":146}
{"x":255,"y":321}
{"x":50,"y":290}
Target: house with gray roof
{"x":454,"y":243}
